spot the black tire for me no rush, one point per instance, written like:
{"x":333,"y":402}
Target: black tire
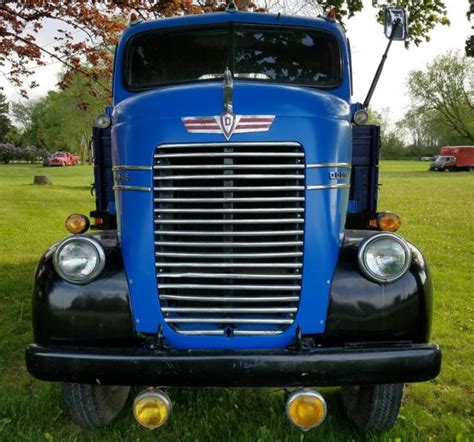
{"x":94,"y":405}
{"x":373,"y":407}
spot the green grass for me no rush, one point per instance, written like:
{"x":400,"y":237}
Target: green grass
{"x":437,"y":213}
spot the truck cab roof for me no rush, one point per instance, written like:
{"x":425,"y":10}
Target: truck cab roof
{"x":233,"y":17}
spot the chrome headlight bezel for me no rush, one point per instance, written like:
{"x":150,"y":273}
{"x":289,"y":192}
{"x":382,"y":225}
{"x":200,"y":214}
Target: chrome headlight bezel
{"x":368,"y":273}
{"x":99,"y":267}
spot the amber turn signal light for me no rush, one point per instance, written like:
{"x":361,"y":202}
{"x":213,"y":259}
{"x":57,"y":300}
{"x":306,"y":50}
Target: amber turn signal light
{"x":306,"y":409}
{"x":152,"y":408}
{"x":388,"y":221}
{"x":77,"y":223}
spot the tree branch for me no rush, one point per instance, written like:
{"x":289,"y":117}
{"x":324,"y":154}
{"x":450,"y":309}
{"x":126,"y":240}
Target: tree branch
{"x":52,"y":55}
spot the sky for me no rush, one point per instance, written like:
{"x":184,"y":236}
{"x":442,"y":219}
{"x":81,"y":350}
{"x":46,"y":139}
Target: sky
{"x":368,"y":44}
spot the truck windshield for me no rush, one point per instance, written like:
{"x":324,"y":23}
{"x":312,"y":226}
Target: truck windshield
{"x":284,"y":55}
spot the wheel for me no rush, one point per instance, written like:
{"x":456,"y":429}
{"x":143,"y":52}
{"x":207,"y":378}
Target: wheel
{"x":94,"y":405}
{"x":373,"y":407}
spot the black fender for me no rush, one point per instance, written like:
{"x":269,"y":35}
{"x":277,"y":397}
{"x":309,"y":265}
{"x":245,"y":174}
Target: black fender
{"x":361,"y":310}
{"x":97,"y":313}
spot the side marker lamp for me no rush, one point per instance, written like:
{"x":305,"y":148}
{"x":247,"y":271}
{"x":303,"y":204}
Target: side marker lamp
{"x":77,"y":223}
{"x":306,"y":409}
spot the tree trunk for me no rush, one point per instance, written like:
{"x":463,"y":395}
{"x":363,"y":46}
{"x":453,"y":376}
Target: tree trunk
{"x":42,"y":179}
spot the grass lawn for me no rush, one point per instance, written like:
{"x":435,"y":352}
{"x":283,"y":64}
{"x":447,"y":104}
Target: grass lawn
{"x":437,"y":211}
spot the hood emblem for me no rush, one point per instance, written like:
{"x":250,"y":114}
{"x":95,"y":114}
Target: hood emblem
{"x":228,"y":123}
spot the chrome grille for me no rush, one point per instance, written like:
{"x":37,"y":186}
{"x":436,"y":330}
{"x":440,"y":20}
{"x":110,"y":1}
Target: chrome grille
{"x":229,"y":223}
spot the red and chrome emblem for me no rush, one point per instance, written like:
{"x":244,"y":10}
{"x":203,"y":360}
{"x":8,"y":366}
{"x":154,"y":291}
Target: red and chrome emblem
{"x":229,"y":124}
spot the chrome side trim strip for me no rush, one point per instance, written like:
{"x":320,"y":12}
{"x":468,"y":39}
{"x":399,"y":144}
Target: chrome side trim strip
{"x":117,"y":168}
{"x":329,"y":186}
{"x":325,"y":165}
{"x":137,"y":188}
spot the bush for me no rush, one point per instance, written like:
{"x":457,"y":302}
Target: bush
{"x":30,"y":154}
{"x":9,"y":152}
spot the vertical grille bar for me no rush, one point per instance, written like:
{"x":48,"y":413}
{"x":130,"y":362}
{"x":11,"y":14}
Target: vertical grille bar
{"x":229,"y":229}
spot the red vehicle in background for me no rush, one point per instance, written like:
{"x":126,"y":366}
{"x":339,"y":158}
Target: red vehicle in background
{"x":452,"y":158}
{"x":61,"y":159}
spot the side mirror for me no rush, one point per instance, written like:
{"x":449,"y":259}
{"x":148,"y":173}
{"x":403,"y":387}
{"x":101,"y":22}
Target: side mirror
{"x":396,"y":22}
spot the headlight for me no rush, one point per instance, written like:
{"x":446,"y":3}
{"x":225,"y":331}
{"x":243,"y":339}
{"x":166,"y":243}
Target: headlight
{"x":79,"y":259}
{"x":384,"y":257}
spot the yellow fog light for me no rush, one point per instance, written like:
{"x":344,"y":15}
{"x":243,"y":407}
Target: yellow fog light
{"x":306,"y":409}
{"x":388,"y":221}
{"x":77,"y":223}
{"x":151,"y":408}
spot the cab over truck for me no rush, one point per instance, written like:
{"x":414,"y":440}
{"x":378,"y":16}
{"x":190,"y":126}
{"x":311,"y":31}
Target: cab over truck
{"x":237,"y":241}
{"x":454,"y":158}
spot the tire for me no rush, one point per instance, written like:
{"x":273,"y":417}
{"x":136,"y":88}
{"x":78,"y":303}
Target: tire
{"x":94,"y":406}
{"x":373,"y":407}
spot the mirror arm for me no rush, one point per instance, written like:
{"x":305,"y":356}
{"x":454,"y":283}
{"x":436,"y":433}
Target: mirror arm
{"x":365,"y":105}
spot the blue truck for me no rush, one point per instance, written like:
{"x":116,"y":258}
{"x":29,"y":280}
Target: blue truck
{"x":237,"y":240}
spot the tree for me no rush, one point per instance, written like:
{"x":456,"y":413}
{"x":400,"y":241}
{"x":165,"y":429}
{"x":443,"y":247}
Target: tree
{"x":470,"y":40}
{"x":393,"y":147}
{"x":445,"y":87}
{"x":63,"y":119}
{"x":88,"y":30}
{"x":5,"y":123}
